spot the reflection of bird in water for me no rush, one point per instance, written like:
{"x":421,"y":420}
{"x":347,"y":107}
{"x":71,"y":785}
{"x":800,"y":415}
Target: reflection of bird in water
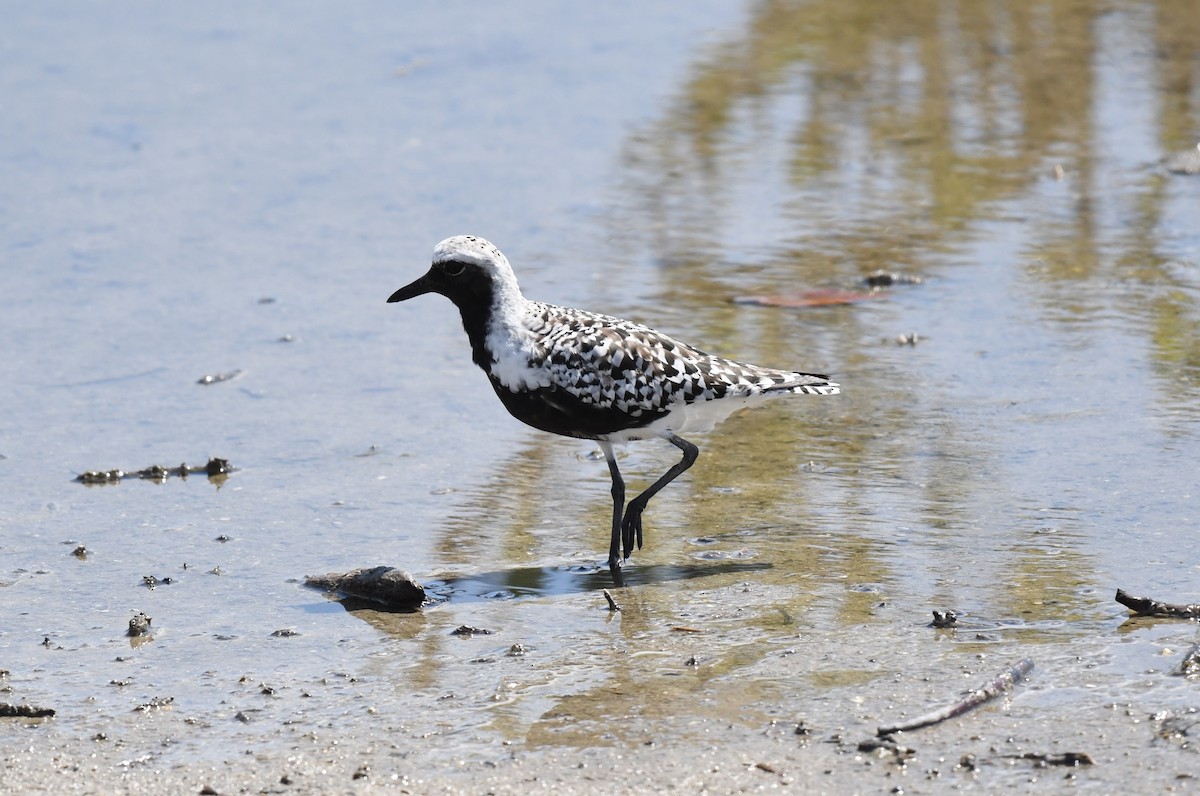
{"x":593,"y":376}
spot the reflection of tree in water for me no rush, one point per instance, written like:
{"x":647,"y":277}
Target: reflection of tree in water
{"x":877,"y":132}
{"x":833,"y":138}
{"x":499,"y":522}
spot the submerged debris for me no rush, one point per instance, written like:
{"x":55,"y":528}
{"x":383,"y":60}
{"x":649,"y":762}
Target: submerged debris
{"x":216,"y":470}
{"x":390,"y":587}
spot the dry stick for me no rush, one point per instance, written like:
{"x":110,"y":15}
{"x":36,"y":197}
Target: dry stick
{"x":1144,"y":606}
{"x":995,"y":688}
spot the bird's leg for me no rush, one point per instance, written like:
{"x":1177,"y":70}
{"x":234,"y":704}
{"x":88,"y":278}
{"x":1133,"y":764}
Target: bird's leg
{"x":618,"y":494}
{"x":631,"y":524}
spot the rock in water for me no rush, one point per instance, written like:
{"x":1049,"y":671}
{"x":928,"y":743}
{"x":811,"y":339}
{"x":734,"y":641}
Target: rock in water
{"x":391,"y":587}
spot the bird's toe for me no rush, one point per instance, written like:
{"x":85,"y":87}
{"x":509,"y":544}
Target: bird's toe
{"x":631,"y":531}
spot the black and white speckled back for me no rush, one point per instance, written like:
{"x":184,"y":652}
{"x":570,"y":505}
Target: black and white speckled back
{"x":613,"y":363}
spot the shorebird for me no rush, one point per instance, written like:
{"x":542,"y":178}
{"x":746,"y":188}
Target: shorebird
{"x":591,"y":376}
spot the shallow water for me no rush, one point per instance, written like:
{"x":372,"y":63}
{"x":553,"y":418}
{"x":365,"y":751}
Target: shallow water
{"x":191,"y":192}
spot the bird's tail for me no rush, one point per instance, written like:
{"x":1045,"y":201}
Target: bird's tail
{"x":809,"y":384}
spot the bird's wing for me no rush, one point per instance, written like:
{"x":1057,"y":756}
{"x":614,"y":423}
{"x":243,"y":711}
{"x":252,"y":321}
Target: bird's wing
{"x":611,"y":363}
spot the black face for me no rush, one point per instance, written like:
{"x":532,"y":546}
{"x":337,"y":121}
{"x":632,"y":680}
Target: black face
{"x":462,"y":283}
{"x":469,"y":286}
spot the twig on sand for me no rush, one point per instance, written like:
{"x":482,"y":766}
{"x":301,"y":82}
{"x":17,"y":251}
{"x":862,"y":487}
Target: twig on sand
{"x":1144,"y":606}
{"x":1002,"y":684}
{"x":612,"y":604}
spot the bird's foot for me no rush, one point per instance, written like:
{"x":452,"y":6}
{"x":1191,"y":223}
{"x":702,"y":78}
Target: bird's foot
{"x":631,"y":527}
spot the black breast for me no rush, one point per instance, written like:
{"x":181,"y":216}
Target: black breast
{"x":551,"y":409}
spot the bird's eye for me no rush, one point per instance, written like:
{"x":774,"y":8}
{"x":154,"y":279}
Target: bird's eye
{"x":453,"y":268}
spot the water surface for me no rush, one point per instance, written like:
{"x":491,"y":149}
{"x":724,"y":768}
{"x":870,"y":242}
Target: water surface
{"x":189,"y":192}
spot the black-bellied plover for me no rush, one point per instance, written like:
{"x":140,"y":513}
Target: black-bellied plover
{"x":591,"y":376}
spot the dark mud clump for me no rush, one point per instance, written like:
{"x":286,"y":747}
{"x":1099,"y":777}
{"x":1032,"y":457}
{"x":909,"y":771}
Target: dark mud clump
{"x":391,"y":588}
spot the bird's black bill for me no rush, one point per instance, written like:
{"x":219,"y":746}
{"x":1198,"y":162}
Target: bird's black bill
{"x":418,"y":288}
